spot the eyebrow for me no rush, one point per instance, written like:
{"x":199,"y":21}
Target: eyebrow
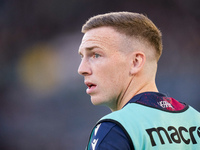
{"x":91,"y":48}
{"x":88,"y":49}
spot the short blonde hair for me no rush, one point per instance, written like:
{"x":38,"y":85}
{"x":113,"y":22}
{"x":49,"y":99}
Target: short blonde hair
{"x":131,"y":24}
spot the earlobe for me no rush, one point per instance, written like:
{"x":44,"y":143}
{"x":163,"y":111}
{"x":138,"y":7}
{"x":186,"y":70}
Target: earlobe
{"x":137,"y":62}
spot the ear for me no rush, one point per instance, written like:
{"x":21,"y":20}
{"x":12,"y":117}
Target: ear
{"x":138,"y":60}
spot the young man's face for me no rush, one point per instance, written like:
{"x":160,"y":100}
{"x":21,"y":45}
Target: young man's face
{"x":104,"y":66}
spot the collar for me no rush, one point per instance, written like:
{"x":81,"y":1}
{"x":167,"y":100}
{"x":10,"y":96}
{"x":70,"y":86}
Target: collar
{"x":146,"y":95}
{"x":157,"y":100}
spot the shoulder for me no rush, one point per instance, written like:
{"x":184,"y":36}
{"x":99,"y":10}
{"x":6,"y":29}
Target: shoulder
{"x":108,"y":135}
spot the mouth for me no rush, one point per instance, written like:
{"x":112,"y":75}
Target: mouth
{"x":91,"y":87}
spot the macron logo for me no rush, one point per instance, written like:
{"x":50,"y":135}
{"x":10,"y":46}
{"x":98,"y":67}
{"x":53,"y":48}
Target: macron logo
{"x":176,"y":135}
{"x":96,"y":129}
{"x":94,"y":143}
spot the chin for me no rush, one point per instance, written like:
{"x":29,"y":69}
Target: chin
{"x":96,"y":101}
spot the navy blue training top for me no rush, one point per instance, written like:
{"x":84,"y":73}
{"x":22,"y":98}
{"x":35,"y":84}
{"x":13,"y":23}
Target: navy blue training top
{"x":109,"y":136}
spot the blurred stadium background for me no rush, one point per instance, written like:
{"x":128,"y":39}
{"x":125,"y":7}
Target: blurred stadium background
{"x":43,"y":105}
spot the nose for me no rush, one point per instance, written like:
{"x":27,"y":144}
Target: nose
{"x":84,"y":68}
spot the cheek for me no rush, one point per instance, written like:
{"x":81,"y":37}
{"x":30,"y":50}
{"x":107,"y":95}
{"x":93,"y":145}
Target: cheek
{"x":118,"y":72}
{"x":111,"y":72}
{"x":114,"y":76}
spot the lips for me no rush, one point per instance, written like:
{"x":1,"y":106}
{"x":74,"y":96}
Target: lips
{"x":91,"y":87}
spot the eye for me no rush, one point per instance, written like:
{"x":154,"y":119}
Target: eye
{"x":96,"y":55}
{"x":81,"y":55}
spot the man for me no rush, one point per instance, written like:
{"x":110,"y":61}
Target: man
{"x":120,"y":52}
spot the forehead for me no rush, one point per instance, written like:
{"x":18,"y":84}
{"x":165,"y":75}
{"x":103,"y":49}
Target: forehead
{"x":101,"y":37}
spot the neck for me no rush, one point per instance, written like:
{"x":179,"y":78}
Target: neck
{"x":131,"y":91}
